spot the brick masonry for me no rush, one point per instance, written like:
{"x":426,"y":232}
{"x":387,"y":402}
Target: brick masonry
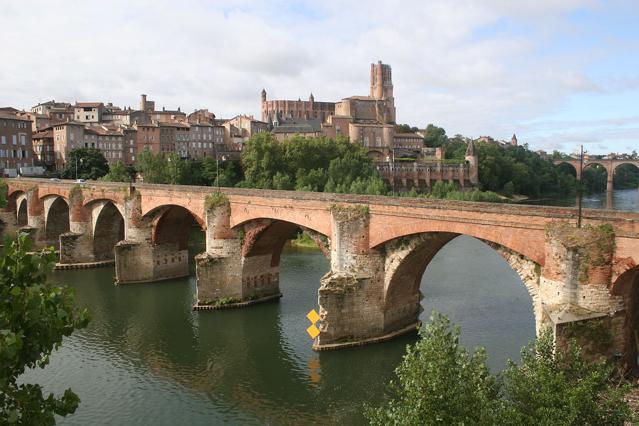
{"x":378,"y":247}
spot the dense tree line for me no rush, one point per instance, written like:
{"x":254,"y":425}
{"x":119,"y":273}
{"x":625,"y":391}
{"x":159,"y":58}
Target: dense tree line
{"x":309,"y":164}
{"x":302,"y":164}
{"x":335,"y":165}
{"x":518,"y":170}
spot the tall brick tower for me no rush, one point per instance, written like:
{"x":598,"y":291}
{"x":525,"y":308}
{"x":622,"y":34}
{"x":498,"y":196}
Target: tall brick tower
{"x":382,"y":91}
{"x":381,"y":81}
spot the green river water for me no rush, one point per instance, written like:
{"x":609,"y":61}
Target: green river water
{"x":148,"y":359}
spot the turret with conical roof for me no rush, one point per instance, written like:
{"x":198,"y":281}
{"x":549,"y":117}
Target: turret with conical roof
{"x":513,"y":140}
{"x":472,"y":159}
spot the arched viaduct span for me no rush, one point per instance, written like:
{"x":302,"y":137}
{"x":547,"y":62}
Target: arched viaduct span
{"x":610,"y":164}
{"x":379,"y":248}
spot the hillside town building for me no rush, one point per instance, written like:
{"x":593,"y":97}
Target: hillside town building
{"x":121,"y":133}
{"x":16,"y":147}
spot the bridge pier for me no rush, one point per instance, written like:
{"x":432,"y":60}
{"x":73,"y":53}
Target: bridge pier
{"x":76,"y":246}
{"x":137,"y":258}
{"x":350,"y":296}
{"x":226,"y":277}
{"x":9,"y":219}
{"x":35,"y":219}
{"x":575,"y":290}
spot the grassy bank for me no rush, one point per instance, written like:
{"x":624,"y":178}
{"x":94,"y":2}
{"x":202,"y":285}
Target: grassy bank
{"x":303,"y":241}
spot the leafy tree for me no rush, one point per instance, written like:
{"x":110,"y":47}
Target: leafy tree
{"x":435,"y":136}
{"x":34,"y":317}
{"x":405,"y":128}
{"x":177,"y":170}
{"x":90,"y":163}
{"x":119,"y":173}
{"x":152,"y":167}
{"x":557,"y":386}
{"x":440,"y":383}
{"x":309,"y":164}
{"x":455,"y":147}
{"x":262,"y":158}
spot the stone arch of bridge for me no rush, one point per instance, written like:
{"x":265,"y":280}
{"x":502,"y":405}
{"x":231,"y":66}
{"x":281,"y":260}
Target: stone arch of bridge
{"x":601,"y":164}
{"x":569,"y":163}
{"x":262,"y":244}
{"x":107,"y":228}
{"x":317,"y":220}
{"x":627,"y":285}
{"x":266,"y":236}
{"x":407,"y":258}
{"x":21,"y":208}
{"x":56,"y":217}
{"x":172,"y":224}
{"x":618,"y":164}
{"x":527,"y":241}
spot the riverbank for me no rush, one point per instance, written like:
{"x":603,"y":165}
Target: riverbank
{"x":303,"y":241}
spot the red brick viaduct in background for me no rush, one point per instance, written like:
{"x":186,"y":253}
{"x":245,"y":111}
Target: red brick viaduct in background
{"x":379,"y":248}
{"x":609,"y":164}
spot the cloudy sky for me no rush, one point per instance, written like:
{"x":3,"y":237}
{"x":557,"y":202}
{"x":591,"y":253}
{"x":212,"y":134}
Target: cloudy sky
{"x":558,"y":73}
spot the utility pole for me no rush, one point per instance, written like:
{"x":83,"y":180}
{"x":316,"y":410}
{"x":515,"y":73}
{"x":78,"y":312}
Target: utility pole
{"x":393,"y":170}
{"x":580,"y":187}
{"x":217,"y":167}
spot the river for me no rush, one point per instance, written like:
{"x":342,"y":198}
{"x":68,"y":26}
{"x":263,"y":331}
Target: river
{"x":148,"y":359}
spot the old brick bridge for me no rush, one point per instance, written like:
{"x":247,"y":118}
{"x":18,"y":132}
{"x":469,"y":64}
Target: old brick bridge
{"x":379,"y":248}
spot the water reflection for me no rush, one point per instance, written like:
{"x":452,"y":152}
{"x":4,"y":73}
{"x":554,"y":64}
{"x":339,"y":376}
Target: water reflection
{"x":621,"y":199}
{"x":147,"y":358}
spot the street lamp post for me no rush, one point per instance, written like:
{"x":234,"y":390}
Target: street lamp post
{"x":76,"y":166}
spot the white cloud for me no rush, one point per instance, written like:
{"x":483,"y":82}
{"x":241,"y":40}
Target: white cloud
{"x":474,"y":67}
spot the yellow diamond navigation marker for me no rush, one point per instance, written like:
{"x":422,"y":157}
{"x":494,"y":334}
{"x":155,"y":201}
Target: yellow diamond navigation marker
{"x":313,"y":317}
{"x":313,"y":331}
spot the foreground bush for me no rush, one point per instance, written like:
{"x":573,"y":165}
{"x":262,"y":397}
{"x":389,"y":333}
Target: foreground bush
{"x":34,"y":317}
{"x":440,"y":383}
